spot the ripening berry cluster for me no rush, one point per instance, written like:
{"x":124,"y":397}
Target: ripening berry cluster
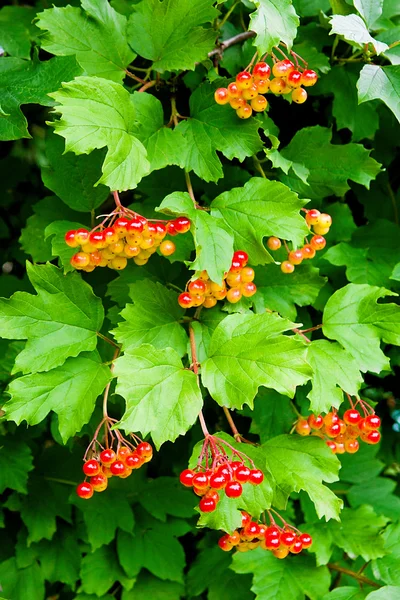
{"x":112,"y":246}
{"x":341,"y":435}
{"x":109,"y":464}
{"x":251,"y":86}
{"x":229,"y":476}
{"x":320,"y":223}
{"x":279,"y":540}
{"x":238,"y":282}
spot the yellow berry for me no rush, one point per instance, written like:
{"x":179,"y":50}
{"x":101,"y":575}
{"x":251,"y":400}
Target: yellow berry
{"x":299,"y":95}
{"x":259,"y":103}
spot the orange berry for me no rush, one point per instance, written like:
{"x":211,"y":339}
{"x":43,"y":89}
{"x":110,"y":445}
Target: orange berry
{"x":287,"y":267}
{"x":167,"y":248}
{"x":244,"y":112}
{"x":247,"y":274}
{"x":248,"y":289}
{"x":299,"y":95}
{"x":234,"y":295}
{"x":234,"y":91}
{"x":263,"y":86}
{"x":295,"y":257}
{"x":282,"y":68}
{"x":274,"y":243}
{"x":244,"y":80}
{"x":250,"y":92}
{"x":221,"y":96}
{"x":259,"y":103}
{"x":277,"y":86}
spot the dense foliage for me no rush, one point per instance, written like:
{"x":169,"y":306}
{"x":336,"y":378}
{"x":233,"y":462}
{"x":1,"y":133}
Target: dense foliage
{"x":108,"y":109}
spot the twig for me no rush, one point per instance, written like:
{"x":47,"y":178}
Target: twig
{"x":236,"y":434}
{"x":147,"y":85}
{"x":301,"y":334}
{"x":353,"y":574}
{"x":133,"y":76}
{"x":236,"y":39}
{"x":106,"y":339}
{"x":311,"y":328}
{"x":106,"y":391}
{"x":193,"y":352}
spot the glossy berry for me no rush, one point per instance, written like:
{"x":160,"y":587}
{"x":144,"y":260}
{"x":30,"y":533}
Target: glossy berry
{"x":287,"y":538}
{"x":247,"y":274}
{"x":242,"y":474}
{"x":294,"y":79}
{"x":246,"y":518}
{"x":312,"y":216}
{"x":259,"y":103}
{"x":91,"y":467}
{"x":251,"y":530}
{"x":182,"y":224}
{"x":282,"y":68}
{"x":256,"y":477}
{"x":234,"y":91}
{"x":248,"y":289}
{"x":287,"y":267}
{"x":234,"y":295}
{"x":221,"y":96}
{"x":299,"y":95}
{"x":218,"y":481}
{"x":236,"y":103}
{"x":308,"y":251}
{"x":325,"y":220}
{"x":352,"y":416}
{"x":332,"y":430}
{"x":185,"y":300}
{"x":82,"y":235}
{"x":135,"y":226}
{"x":306,"y":540}
{"x":80,"y":260}
{"x":244,"y":112}
{"x":107,"y":457}
{"x":244,"y":80}
{"x":295,"y":257}
{"x":207,"y":505}
{"x":99,"y":482}
{"x":200,"y":481}
{"x":309,"y":78}
{"x":261,"y":70}
{"x":121,"y":224}
{"x":277,"y":86}
{"x":144,"y":449}
{"x":274,"y":243}
{"x":351,"y":446}
{"x":263,"y":86}
{"x":241,"y":256}
{"x":84,"y":490}
{"x":321,"y":230}
{"x":318,"y":242}
{"x":331,"y":444}
{"x":71,"y":240}
{"x":167,"y":248}
{"x":97,"y":239}
{"x":297,"y":546}
{"x":118,"y":467}
{"x":233,"y":489}
{"x":251,"y":92}
{"x":315,"y":421}
{"x":330,"y":418}
{"x":303,"y":427}
{"x":272,"y":542}
{"x":224,"y":543}
{"x":373,"y":437}
{"x":197,"y":286}
{"x":372,"y":422}
{"x":281,"y":552}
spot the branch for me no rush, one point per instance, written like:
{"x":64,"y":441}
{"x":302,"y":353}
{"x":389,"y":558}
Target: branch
{"x":193,"y":352}
{"x":353,"y":574}
{"x":232,"y":425}
{"x":236,"y":39}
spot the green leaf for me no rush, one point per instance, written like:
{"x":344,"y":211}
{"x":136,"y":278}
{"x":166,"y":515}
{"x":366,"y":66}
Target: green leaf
{"x":162,"y":398}
{"x":81,"y":380}
{"x":204,"y":328}
{"x":386,"y":568}
{"x":272,"y":414}
{"x":354,"y":31}
{"x":95,"y":35}
{"x":380,"y":83}
{"x":258,"y":209}
{"x":378,"y":493}
{"x":298,"y":463}
{"x":100,"y":570}
{"x":165,"y":146}
{"x":159,"y":31}
{"x":72,"y":177}
{"x":14,"y":33}
{"x":334,"y":371}
{"x":96,"y":113}
{"x":28,"y":82}
{"x":358,"y":532}
{"x":274,"y":21}
{"x":353,"y":317}
{"x":175,"y":499}
{"x":20,"y":584}
{"x":154,"y":546}
{"x":60,"y":559}
{"x":15,"y":463}
{"x":212,"y":127}
{"x":361,"y":467}
{"x":214,"y":244}
{"x":330,"y":166}
{"x":388,"y":592}
{"x":282,"y":293}
{"x":247,"y":351}
{"x":346,"y":592}
{"x":98,"y":511}
{"x":370,"y":10}
{"x":55,"y":233}
{"x":153,"y":318}
{"x":147,"y":586}
{"x":274,"y":578}
{"x":60,"y":321}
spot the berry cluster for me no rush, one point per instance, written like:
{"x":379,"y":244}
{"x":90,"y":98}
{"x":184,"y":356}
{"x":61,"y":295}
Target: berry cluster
{"x":251,"y":535}
{"x":251,"y":86}
{"x":320,"y":223}
{"x":124,"y":237}
{"x":238,"y":282}
{"x":341,"y":435}
{"x":217,"y":472}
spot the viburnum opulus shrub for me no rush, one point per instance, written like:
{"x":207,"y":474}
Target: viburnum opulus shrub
{"x":200,"y":322}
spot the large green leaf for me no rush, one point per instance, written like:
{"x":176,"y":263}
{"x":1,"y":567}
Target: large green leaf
{"x":15,"y":38}
{"x":100,"y":570}
{"x":386,"y":568}
{"x":370,"y":10}
{"x":274,"y":21}
{"x":380,"y":83}
{"x":247,"y":351}
{"x":388,"y":592}
{"x":146,"y":585}
{"x":96,"y":35}
{"x":69,"y":390}
{"x":60,"y":558}
{"x":330,"y":166}
{"x":378,"y":492}
{"x":354,"y":30}
{"x":274,"y":578}
{"x":334,"y":371}
{"x":60,"y":321}
{"x":258,"y":209}
{"x":15,"y":464}
{"x":214,"y":244}
{"x":97,"y":113}
{"x":353,"y":317}
{"x":29,"y":82}
{"x":170,"y":33}
{"x":212,"y":127}
{"x":153,"y":318}
{"x":298,"y":463}
{"x":162,"y":398}
{"x":20,"y":584}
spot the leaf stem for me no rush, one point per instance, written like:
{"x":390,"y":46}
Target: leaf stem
{"x":193,"y":352}
{"x":236,"y":434}
{"x":190,"y":188}
{"x":147,"y":85}
{"x":236,"y":39}
{"x":106,"y":339}
{"x":133,"y":76}
{"x":258,"y":166}
{"x":311,"y":328}
{"x":301,"y":334}
{"x":106,"y":391}
{"x":353,"y":574}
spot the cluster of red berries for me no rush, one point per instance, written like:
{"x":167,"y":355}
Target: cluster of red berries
{"x":219,"y":474}
{"x":109,"y":463}
{"x":341,"y":435}
{"x":280,"y":540}
{"x":250,"y":86}
{"x":123,"y":238}
{"x":320,"y":223}
{"x":238,"y":282}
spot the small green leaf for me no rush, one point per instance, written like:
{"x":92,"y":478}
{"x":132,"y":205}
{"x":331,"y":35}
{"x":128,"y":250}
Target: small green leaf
{"x":95,"y":35}
{"x":378,"y":492}
{"x":147,"y":586}
{"x":15,"y":464}
{"x":386,"y":568}
{"x":272,"y":414}
{"x":274,"y":21}
{"x":380,"y":83}
{"x":354,"y":31}
{"x":20,"y":584}
{"x":100,"y":570}
{"x":353,"y":317}
{"x":153,"y":318}
{"x":96,"y":113}
{"x":162,"y":398}
{"x":60,"y":559}
{"x":176,"y":501}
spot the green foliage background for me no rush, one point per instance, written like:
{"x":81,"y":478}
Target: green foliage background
{"x":73,"y":127}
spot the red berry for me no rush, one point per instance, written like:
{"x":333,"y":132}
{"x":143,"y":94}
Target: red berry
{"x":110,"y":235}
{"x":99,"y":482}
{"x":218,"y":481}
{"x":234,"y":91}
{"x":82,"y":235}
{"x":213,"y":494}
{"x":244,"y":80}
{"x":70,"y":239}
{"x":135,"y":225}
{"x":351,"y":416}
{"x":233,"y":489}
{"x":171,"y":229}
{"x":309,"y":78}
{"x":373,"y":437}
{"x":251,"y":530}
{"x":207,"y":505}
{"x":84,"y":490}
{"x":297,"y":546}
{"x":315,"y":421}
{"x":294,"y":79}
{"x":331,"y":444}
{"x":224,"y":543}
{"x":107,"y":457}
{"x":332,"y":430}
{"x":121,"y":224}
{"x":287,"y":538}
{"x":226,"y":471}
{"x":256,"y":476}
{"x":200,"y":481}
{"x":91,"y":467}
{"x":318,"y":242}
{"x":295,"y":257}
{"x":372,"y":422}
{"x":241,"y":256}
{"x":306,"y":540}
{"x":118,"y":468}
{"x":282,"y":68}
{"x":198,"y":286}
{"x":134,"y":461}
{"x":312,"y":216}
{"x":185,"y":300}
{"x":261,"y":70}
{"x":271,"y":542}
{"x":80,"y":260}
{"x":273,"y":531}
{"x":242,"y":474}
{"x":246,"y":518}
{"x":182,"y":224}
{"x":308,"y":251}
{"x":221,"y":96}
{"x":144,"y":449}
